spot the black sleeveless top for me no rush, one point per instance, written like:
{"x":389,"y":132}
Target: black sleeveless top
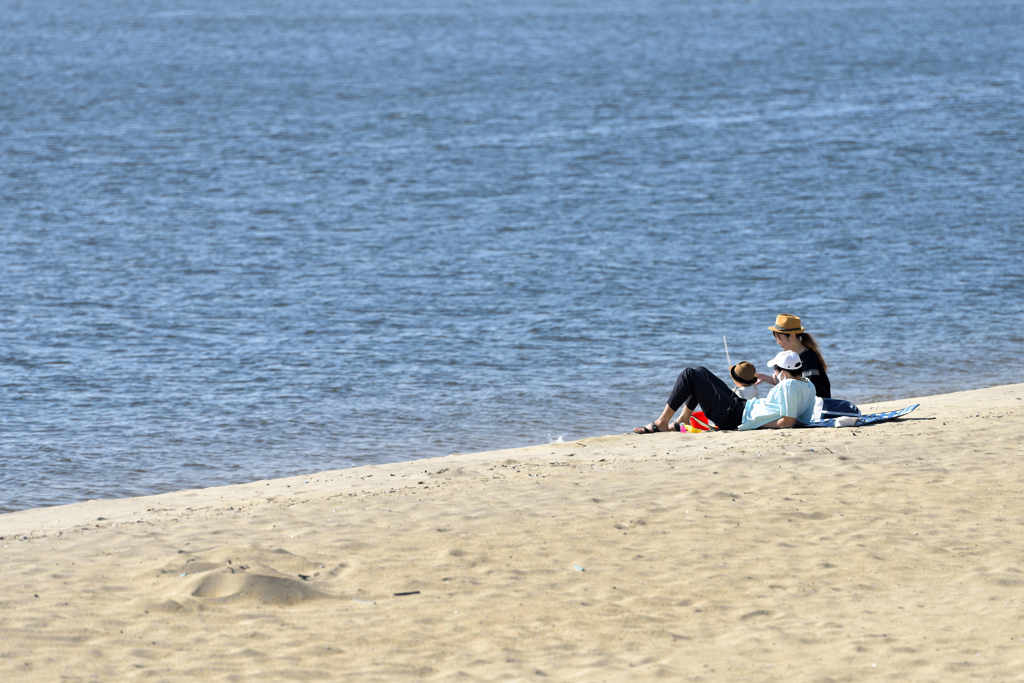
{"x":813,"y":371}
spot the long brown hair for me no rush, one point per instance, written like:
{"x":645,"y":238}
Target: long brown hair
{"x":807,"y":340}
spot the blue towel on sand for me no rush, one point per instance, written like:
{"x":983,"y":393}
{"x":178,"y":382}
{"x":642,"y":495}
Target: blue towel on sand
{"x":868,"y":419}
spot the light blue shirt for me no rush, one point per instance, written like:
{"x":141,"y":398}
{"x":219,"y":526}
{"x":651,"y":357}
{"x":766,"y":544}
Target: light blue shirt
{"x":788,"y":398}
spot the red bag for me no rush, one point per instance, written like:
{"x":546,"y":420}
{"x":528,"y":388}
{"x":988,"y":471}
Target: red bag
{"x":700,"y":421}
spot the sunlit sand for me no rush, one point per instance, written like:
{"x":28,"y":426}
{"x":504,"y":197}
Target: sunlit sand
{"x":889,"y":552}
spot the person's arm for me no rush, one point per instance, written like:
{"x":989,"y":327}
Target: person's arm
{"x":781,"y":423}
{"x":765,"y":379}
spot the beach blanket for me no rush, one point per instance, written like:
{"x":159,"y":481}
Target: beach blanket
{"x":863,"y":420}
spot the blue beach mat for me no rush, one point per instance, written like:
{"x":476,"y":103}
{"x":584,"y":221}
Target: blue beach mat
{"x":874,"y":418}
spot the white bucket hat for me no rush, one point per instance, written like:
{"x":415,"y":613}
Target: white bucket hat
{"x":787,"y":360}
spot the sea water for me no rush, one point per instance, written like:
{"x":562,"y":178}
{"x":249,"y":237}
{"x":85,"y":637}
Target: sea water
{"x":251,"y":239}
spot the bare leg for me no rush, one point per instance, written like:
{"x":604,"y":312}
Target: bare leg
{"x":684,"y":418}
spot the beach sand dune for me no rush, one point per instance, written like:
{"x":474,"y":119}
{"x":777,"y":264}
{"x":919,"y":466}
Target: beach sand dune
{"x":889,"y":552}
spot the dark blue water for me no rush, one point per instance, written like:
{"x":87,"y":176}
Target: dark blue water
{"x":242,"y":240}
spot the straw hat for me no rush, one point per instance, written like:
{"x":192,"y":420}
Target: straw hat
{"x":744,"y":373}
{"x":786,"y":324}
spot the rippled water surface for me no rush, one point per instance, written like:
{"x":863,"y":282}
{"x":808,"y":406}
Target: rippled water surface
{"x":242,"y":240}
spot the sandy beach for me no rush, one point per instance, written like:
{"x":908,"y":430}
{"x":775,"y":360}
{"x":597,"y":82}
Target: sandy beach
{"x":887,"y":552}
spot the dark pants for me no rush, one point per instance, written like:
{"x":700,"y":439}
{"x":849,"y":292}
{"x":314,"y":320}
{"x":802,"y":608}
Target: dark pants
{"x":720,"y":404}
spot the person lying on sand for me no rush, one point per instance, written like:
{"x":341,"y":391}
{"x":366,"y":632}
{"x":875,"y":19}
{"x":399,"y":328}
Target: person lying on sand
{"x":790,"y":401}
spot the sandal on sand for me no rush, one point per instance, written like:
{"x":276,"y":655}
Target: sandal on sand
{"x":647,"y":429}
{"x":674,"y":426}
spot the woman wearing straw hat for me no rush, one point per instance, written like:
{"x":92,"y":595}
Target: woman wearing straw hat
{"x":791,"y":336}
{"x":789,"y":402}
